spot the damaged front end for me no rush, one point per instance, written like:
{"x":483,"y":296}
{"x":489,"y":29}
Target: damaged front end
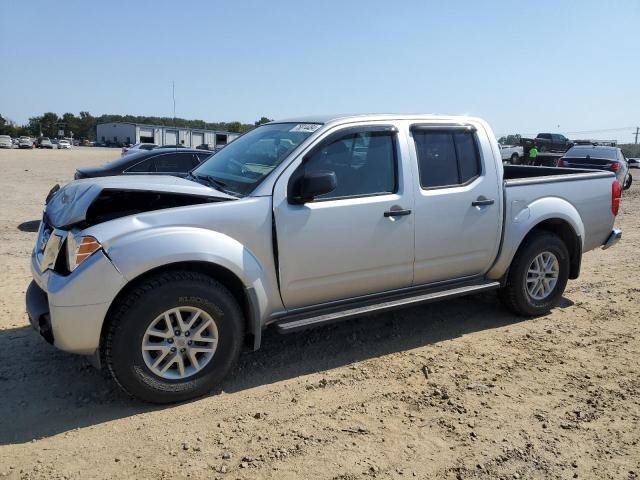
{"x":89,"y":202}
{"x":79,"y":205}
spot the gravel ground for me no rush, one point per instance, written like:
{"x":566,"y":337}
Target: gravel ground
{"x":461,"y":389}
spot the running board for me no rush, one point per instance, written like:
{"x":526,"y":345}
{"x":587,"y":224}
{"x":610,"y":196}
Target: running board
{"x":313,"y":319}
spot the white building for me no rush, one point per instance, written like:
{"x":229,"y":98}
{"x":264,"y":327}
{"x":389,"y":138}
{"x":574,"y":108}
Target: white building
{"x":126,"y":133}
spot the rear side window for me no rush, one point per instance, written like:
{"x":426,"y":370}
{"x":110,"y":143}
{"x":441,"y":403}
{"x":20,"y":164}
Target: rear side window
{"x":145,"y":166}
{"x":174,"y":162}
{"x":446,"y":158}
{"x":201,"y":157}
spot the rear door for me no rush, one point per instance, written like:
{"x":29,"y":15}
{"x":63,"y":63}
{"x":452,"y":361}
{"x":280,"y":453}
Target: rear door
{"x":457,"y":204}
{"x":352,"y":241}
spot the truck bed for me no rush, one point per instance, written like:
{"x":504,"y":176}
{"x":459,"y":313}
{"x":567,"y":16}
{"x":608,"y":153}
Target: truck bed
{"x":527,"y":175}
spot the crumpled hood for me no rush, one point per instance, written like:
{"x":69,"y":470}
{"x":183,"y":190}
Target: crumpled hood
{"x":70,"y":204}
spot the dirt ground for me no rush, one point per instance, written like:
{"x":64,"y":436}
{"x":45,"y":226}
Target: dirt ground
{"x":461,"y":389}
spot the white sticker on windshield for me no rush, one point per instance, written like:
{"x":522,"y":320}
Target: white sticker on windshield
{"x":306,"y":127}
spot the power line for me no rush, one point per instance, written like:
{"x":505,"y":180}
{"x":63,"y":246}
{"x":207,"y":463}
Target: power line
{"x":602,"y":130}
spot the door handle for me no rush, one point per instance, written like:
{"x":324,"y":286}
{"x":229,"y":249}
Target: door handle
{"x":397,"y":213}
{"x":481,"y":202}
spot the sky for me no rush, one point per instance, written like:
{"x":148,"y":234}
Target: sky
{"x":529,"y":66}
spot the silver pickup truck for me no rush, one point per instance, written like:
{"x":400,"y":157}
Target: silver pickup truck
{"x":300,"y":223}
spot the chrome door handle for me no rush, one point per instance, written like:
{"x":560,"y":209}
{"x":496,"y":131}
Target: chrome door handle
{"x":397,"y":213}
{"x":481,"y":202}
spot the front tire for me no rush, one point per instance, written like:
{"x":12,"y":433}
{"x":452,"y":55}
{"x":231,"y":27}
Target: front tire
{"x":515,"y":159}
{"x":538,"y":275}
{"x":173,"y":337}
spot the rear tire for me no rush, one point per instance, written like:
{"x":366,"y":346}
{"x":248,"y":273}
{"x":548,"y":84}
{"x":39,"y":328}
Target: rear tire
{"x":141,"y":310}
{"x":515,"y":159}
{"x":627,"y":184}
{"x":528,"y":292}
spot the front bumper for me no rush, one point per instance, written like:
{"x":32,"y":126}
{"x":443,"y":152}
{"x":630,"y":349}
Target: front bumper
{"x":69,"y":310}
{"x":613,"y":238}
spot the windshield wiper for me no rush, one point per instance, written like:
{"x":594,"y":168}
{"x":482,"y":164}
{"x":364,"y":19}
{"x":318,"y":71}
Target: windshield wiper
{"x":212,"y":181}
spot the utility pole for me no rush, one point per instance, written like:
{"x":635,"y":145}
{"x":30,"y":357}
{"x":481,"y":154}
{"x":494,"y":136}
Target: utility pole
{"x":637,"y":132}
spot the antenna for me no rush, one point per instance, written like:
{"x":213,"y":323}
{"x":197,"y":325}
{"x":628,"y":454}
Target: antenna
{"x":173,"y":94}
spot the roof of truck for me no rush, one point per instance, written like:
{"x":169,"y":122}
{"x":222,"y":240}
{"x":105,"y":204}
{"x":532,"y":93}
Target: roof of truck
{"x":326,"y":118}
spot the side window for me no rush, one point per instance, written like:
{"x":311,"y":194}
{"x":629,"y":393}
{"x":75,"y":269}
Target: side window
{"x":144,"y":166}
{"x":201,"y":157}
{"x":446,"y":159}
{"x":364,"y":163}
{"x":468,"y":161}
{"x":174,"y":162}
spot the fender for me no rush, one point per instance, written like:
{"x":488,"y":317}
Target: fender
{"x":143,"y":250}
{"x":521,"y":218}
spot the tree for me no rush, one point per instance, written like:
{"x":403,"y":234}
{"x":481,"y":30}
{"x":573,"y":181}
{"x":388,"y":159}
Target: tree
{"x":234,"y":127}
{"x":69,"y":123}
{"x":86,"y":126}
{"x":262,"y":120}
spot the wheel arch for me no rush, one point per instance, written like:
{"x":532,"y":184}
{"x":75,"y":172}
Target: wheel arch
{"x":245,"y":296}
{"x":567,"y":234}
{"x":548,"y":214}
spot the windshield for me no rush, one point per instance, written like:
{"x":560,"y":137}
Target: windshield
{"x":245,"y":162}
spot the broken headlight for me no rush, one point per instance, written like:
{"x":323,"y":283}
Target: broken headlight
{"x":79,"y":248}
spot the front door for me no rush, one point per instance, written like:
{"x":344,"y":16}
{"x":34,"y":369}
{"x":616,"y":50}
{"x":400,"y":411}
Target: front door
{"x":343,"y":244}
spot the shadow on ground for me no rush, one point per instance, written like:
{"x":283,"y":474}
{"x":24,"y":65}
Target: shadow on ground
{"x":45,"y":392}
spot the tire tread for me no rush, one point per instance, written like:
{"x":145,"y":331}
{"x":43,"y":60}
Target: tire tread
{"x":134,"y":296}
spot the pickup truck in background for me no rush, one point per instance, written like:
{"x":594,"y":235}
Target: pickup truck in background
{"x":300,"y":223}
{"x":547,"y":142}
{"x":511,"y":154}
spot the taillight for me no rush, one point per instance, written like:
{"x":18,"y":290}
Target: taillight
{"x":614,"y":167}
{"x":562,"y":163}
{"x":616,"y":191}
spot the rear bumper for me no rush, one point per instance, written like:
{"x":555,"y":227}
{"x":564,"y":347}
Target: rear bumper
{"x":614,"y":237}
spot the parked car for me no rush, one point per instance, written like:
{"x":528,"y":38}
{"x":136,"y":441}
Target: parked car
{"x":547,"y":142}
{"x":137,"y":147}
{"x":64,"y":144}
{"x":152,"y":162}
{"x":512,"y":154}
{"x":5,"y":141}
{"x":44,"y":142}
{"x":25,"y":142}
{"x":599,"y":158}
{"x":634,"y":162}
{"x":296,"y":224}
{"x":170,"y":146}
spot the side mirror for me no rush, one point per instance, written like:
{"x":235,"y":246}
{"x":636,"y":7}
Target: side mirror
{"x":312,"y":185}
